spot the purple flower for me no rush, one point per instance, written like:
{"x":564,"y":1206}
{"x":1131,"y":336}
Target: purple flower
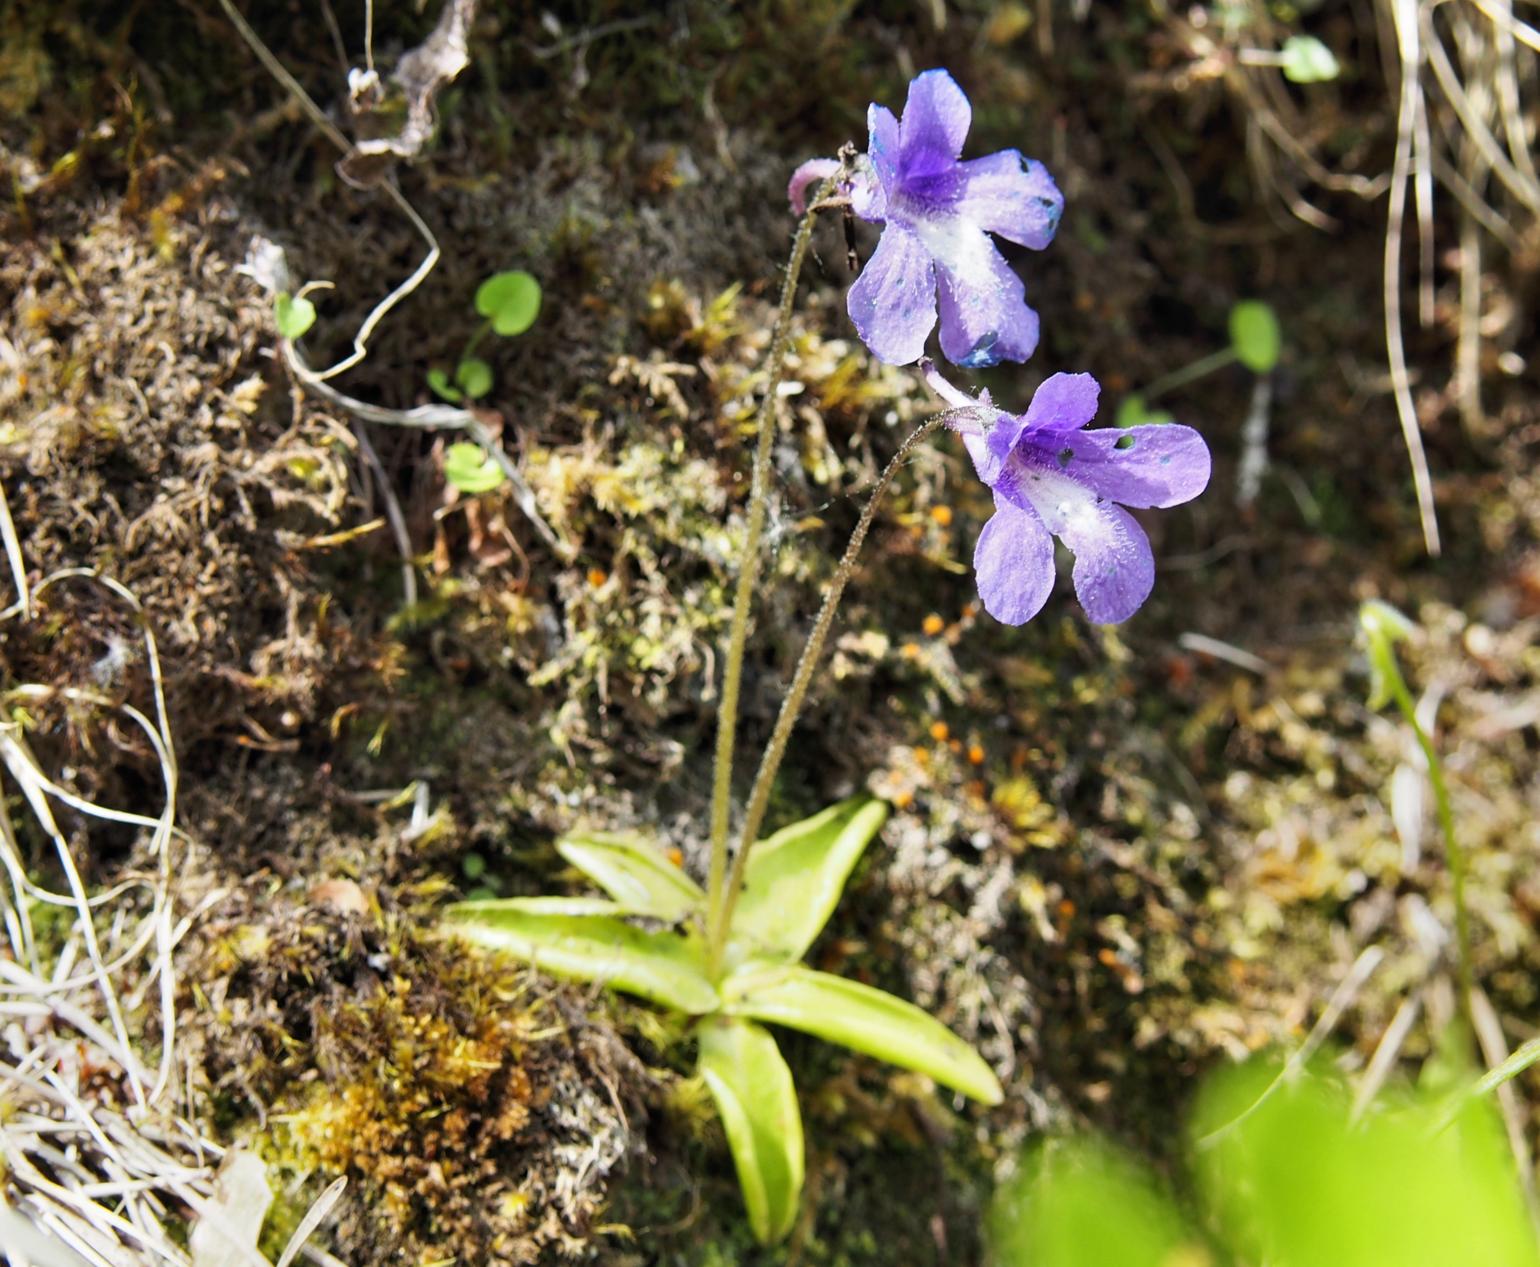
{"x":937,"y":214}
{"x":1052,"y":479}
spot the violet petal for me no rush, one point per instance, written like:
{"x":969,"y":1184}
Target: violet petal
{"x":935,"y":121}
{"x":1012,"y":196}
{"x":893,"y":302}
{"x":984,"y":314}
{"x":1014,"y":564}
{"x":1064,"y":402}
{"x":1162,"y":465}
{"x":1114,"y":568}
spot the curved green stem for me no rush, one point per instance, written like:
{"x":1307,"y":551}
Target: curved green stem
{"x":1189,"y":373}
{"x":748,"y":571}
{"x":796,"y":695}
{"x":474,"y":342}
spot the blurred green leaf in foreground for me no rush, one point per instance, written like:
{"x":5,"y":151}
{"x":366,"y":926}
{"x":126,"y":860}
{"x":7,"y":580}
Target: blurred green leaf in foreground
{"x":1284,"y":1176}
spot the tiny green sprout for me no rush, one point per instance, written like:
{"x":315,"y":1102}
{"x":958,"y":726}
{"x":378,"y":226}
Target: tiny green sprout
{"x":1254,"y":336}
{"x":294,"y":315}
{"x":510,"y":301}
{"x":439,"y":382}
{"x":1256,"y":341}
{"x":1305,"y":60}
{"x":1383,"y":626}
{"x":468,"y":468}
{"x":473,"y":866}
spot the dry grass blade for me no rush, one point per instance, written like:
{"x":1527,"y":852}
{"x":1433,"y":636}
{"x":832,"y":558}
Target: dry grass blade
{"x":97,"y":1166}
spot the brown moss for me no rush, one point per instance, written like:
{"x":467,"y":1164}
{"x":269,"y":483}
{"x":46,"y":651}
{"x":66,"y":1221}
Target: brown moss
{"x":455,"y":1090}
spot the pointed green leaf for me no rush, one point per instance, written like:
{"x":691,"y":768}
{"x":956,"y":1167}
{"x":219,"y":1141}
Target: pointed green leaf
{"x":547,"y":906}
{"x":1254,"y":335}
{"x":511,"y":301}
{"x":634,"y":873}
{"x":664,"y":967}
{"x":863,"y":1019}
{"x":757,"y":1102}
{"x":794,"y":880}
{"x":1510,"y":1069}
{"x":1382,"y":626}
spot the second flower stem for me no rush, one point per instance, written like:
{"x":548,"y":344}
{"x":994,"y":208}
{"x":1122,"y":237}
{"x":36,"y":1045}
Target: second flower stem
{"x":796,"y":694}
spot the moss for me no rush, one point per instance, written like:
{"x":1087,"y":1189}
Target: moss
{"x":447,"y":1086}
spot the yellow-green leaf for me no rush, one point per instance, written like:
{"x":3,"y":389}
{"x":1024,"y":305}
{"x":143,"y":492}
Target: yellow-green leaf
{"x":293,"y":314}
{"x":635,"y":873}
{"x":470,"y":469}
{"x":1254,"y":335}
{"x":794,"y":880}
{"x":863,"y":1019}
{"x":757,"y":1102}
{"x":666,"y":967}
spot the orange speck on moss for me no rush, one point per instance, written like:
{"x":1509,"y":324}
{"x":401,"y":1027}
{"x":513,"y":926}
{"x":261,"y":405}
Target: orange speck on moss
{"x":597,"y":577}
{"x":939,"y":731}
{"x":942,"y":515}
{"x":933,"y":625}
{"x":975,"y":754}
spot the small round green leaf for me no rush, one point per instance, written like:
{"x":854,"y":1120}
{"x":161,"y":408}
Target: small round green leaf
{"x":1254,"y":335}
{"x":294,"y":314}
{"x":474,"y":376}
{"x":439,"y":382}
{"x":470,"y":470}
{"x":510,"y":301}
{"x":1305,"y":60}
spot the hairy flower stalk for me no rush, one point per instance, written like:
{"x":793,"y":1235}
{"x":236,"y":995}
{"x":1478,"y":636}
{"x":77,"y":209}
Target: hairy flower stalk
{"x":748,"y":571}
{"x":796,"y":695}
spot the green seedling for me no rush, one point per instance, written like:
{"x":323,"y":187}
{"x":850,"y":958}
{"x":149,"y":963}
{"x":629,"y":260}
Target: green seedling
{"x":648,"y":937}
{"x":509,"y":302}
{"x":1303,"y":59}
{"x":1256,"y":342}
{"x":294,"y":314}
{"x":468,"y":468}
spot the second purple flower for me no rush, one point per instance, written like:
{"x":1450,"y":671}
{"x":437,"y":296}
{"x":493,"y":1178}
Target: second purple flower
{"x":1052,"y":479}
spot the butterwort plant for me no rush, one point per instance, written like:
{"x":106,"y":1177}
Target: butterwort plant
{"x":727,"y":954}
